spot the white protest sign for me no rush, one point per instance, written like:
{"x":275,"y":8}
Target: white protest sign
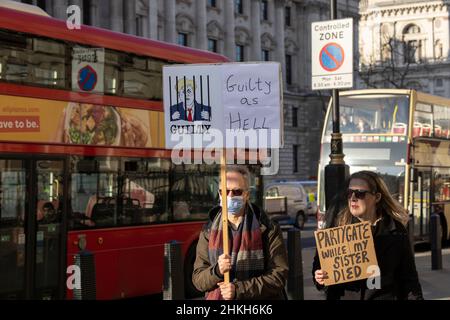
{"x":332,"y":54}
{"x":88,"y":65}
{"x":241,"y":101}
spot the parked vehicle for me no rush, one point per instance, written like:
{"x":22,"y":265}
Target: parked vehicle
{"x":287,"y":203}
{"x":310,"y":187}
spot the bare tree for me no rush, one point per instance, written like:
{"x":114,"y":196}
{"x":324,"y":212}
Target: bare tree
{"x":398,"y":58}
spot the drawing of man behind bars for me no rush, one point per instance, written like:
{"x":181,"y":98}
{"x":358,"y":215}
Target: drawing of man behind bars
{"x":186,"y":95}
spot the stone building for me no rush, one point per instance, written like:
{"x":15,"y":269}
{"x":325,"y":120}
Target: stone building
{"x":242,"y":30}
{"x":409,"y":37}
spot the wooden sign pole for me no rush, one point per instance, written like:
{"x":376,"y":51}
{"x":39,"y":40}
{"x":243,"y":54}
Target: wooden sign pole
{"x":223,"y":186}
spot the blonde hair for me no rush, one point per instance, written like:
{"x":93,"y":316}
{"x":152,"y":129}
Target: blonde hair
{"x":387,"y":203}
{"x":179,"y":86}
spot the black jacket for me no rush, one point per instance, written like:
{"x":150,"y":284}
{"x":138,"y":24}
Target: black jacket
{"x":399,"y":279}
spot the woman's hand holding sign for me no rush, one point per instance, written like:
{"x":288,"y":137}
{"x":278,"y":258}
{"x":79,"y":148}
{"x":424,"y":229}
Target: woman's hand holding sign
{"x":320,"y":276}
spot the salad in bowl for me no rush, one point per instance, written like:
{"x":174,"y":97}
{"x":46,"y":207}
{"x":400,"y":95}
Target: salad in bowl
{"x":92,"y":124}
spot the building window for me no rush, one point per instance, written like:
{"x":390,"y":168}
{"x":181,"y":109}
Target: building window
{"x":264,"y":9}
{"x":86,"y":12}
{"x":287,"y":16}
{"x":288,"y":69}
{"x":412,"y":29}
{"x":238,"y":6}
{"x":439,"y":82}
{"x":265,"y":55}
{"x":295,"y":157}
{"x":42,"y":4}
{"x":182,"y":39}
{"x":212,"y":45}
{"x":212,"y":3}
{"x":239,"y":53}
{"x":294,"y":117}
{"x":412,"y":51}
{"x":438,"y":50}
{"x":412,"y":45}
{"x":139,"y":26}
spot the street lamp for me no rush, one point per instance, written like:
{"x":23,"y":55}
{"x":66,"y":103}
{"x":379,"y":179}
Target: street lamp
{"x":336,"y":172}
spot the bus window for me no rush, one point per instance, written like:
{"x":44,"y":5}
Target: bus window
{"x":12,"y":233}
{"x":49,"y":191}
{"x":112,"y":73}
{"x":441,"y":122}
{"x":145,"y":192}
{"x":32,"y":60}
{"x":375,"y":114}
{"x":133,"y":76}
{"x":142,"y":77}
{"x":93,"y":195}
{"x":194,"y":191}
{"x":422,"y":121}
{"x":441,"y":184}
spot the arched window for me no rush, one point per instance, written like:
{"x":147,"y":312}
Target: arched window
{"x":243,"y":40}
{"x":412,"y":29}
{"x":412,"y":44}
{"x":215,"y":36}
{"x":438,"y":49}
{"x":268,"y":45}
{"x":185,"y":29}
{"x":291,"y":50}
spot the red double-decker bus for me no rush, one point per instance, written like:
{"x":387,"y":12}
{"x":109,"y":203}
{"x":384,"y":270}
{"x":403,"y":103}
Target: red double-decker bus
{"x":83,"y":169}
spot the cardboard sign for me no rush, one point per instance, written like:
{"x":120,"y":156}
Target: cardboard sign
{"x":346,"y":252}
{"x":212,"y":105}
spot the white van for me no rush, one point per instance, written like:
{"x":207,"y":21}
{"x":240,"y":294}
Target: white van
{"x":278,"y":196}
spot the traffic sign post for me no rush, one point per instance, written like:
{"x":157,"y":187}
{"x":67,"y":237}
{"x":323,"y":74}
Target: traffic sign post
{"x":332,"y":68}
{"x":332,"y":54}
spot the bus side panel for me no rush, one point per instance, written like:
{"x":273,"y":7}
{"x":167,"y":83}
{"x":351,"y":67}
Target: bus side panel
{"x":107,"y":274}
{"x":129,"y":261}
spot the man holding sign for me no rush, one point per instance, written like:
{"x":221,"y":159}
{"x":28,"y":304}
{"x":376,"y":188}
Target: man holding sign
{"x":257,"y":262}
{"x":371,"y":223}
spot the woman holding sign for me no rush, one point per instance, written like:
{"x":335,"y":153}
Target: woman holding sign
{"x":369,"y":200}
{"x":257,"y":262}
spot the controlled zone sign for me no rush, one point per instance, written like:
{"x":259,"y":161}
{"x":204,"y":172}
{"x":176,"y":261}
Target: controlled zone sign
{"x":332,"y":54}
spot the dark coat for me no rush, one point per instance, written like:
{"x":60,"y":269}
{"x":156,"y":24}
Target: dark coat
{"x":270,"y":285}
{"x":399,"y":279}
{"x":198,"y":108}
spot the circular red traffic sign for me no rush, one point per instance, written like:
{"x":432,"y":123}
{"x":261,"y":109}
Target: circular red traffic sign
{"x":87,"y":78}
{"x":331,"y":57}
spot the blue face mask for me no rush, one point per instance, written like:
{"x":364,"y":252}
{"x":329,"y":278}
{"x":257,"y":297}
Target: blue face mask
{"x":234,"y":204}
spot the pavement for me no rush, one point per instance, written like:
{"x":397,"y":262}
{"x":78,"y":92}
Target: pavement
{"x":435,"y":283}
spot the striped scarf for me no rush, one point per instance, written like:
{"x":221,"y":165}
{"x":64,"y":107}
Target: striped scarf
{"x":247,"y":257}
